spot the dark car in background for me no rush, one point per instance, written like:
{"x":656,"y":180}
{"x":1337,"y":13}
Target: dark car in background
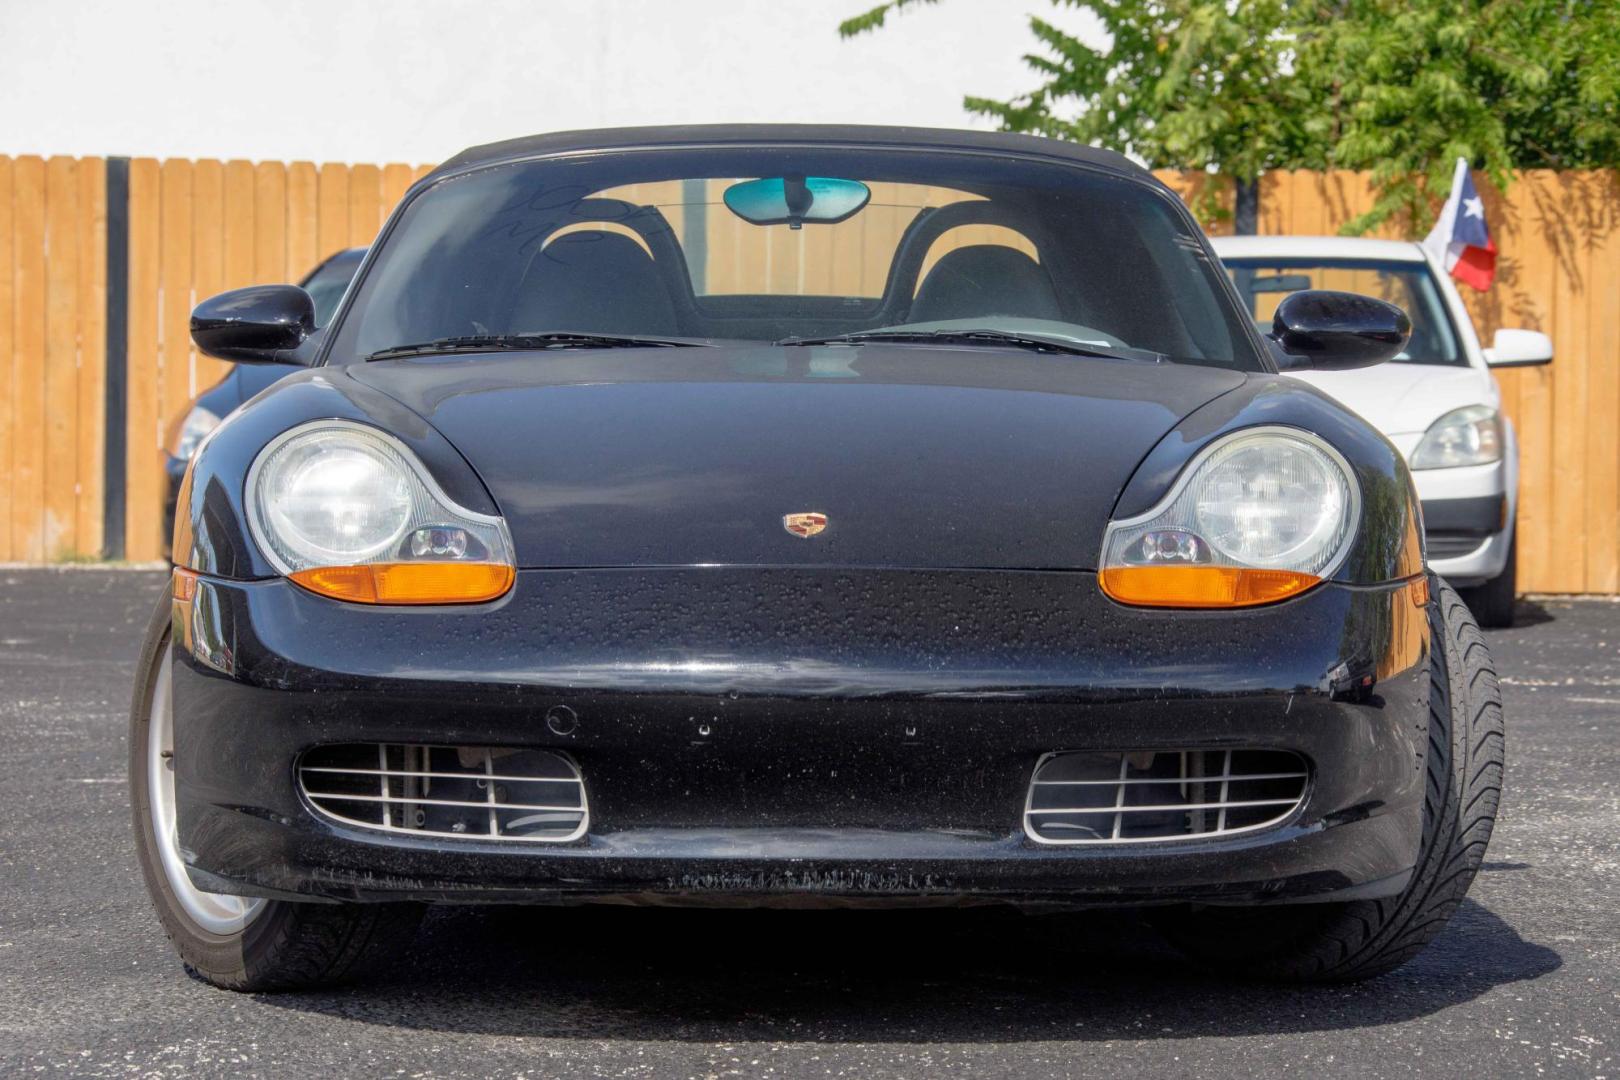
{"x":813,"y":517}
{"x":325,"y":285}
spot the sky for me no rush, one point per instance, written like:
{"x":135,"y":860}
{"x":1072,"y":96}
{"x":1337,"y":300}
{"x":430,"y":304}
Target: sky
{"x":417,"y":80}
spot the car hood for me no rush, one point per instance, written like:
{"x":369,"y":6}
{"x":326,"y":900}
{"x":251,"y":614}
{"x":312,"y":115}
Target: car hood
{"x":1402,"y":398}
{"x":921,"y":457}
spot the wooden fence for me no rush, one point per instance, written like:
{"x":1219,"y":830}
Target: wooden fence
{"x":196,"y":228}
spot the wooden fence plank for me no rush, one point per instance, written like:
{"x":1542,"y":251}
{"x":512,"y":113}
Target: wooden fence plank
{"x":1276,"y":203}
{"x":303,"y":219}
{"x":58,"y":536}
{"x":10,"y":433}
{"x":332,"y":230}
{"x":365,"y":204}
{"x":1566,"y":563}
{"x":1537,"y":306}
{"x":241,"y":267}
{"x":270,"y":223}
{"x":1340,"y":191}
{"x":28,"y":360}
{"x":91,"y":240}
{"x":1310,"y":215}
{"x":143,"y":511}
{"x":396,"y":180}
{"x":1602,"y":361}
{"x":207,"y":255}
{"x":177,"y":382}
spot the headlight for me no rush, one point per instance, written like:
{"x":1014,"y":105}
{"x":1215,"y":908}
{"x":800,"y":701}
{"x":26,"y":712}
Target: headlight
{"x":1258,"y":516}
{"x":346,"y":511}
{"x":1467,"y":436}
{"x":193,"y":430}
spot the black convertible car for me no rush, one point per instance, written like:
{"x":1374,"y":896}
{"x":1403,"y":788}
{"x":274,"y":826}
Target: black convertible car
{"x":810,"y":517}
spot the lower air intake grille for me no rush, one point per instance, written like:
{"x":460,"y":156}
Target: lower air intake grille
{"x":1443,"y":545}
{"x":1151,"y":795}
{"x":468,"y":792}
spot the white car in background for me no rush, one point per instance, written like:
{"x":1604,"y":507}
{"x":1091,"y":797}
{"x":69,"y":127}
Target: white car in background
{"x":1437,"y":402}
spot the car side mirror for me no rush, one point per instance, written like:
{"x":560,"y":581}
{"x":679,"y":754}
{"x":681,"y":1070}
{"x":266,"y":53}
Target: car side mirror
{"x":1519,"y":348}
{"x":261,"y":324}
{"x":1319,"y":330}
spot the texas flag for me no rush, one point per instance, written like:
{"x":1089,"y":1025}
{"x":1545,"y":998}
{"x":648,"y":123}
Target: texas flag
{"x":1460,"y":239}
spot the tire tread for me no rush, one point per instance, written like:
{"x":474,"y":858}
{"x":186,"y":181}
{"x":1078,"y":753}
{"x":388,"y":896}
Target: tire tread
{"x":1363,"y":938}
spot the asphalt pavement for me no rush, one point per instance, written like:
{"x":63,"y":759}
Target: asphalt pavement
{"x":1525,"y":981}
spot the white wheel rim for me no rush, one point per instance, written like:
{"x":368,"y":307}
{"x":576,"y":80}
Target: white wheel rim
{"x":216,"y":913}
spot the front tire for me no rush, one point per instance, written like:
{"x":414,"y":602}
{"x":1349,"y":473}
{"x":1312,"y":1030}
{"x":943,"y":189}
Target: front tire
{"x":239,"y":943}
{"x":1361,"y":938}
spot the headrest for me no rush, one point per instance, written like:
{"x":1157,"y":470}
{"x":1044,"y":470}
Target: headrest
{"x":596,"y":282}
{"x":986,"y":279}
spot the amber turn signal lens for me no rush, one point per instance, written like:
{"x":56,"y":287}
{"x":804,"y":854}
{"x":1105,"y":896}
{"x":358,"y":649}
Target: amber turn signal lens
{"x":410,"y":583}
{"x":1202,"y":586}
{"x":1420,"y":591}
{"x":184,"y":585}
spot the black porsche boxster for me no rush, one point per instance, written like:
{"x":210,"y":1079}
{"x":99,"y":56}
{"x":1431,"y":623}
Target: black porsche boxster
{"x":810,"y":517}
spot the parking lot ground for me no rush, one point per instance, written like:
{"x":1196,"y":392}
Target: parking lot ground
{"x":1525,"y":981}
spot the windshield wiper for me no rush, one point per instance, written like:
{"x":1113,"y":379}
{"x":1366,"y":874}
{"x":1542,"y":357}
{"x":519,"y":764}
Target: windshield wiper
{"x":561,"y":339}
{"x":1039,"y":342}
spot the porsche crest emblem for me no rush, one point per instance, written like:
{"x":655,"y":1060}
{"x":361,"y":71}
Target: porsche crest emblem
{"x":804,"y":525}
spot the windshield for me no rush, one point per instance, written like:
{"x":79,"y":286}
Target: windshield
{"x":809,"y":243}
{"x":1263,"y":282}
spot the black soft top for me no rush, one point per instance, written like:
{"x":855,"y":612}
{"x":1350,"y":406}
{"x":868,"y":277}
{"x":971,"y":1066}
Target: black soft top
{"x":562,"y":142}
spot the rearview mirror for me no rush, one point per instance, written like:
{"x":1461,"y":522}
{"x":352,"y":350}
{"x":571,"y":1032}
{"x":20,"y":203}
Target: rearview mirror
{"x":261,"y":324}
{"x":1319,"y":330}
{"x":1519,"y":348}
{"x":794,"y":200}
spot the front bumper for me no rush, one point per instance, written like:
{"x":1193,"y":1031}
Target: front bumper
{"x":801,"y":736}
{"x":1469,"y":539}
{"x":1467,"y":521}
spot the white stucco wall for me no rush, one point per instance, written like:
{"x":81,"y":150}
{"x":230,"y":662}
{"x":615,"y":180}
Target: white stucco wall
{"x":417,"y":80}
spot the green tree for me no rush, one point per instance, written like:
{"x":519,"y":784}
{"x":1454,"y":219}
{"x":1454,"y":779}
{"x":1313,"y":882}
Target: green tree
{"x":1398,"y":87}
{"x":1507,"y":84}
{"x":1187,"y":84}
